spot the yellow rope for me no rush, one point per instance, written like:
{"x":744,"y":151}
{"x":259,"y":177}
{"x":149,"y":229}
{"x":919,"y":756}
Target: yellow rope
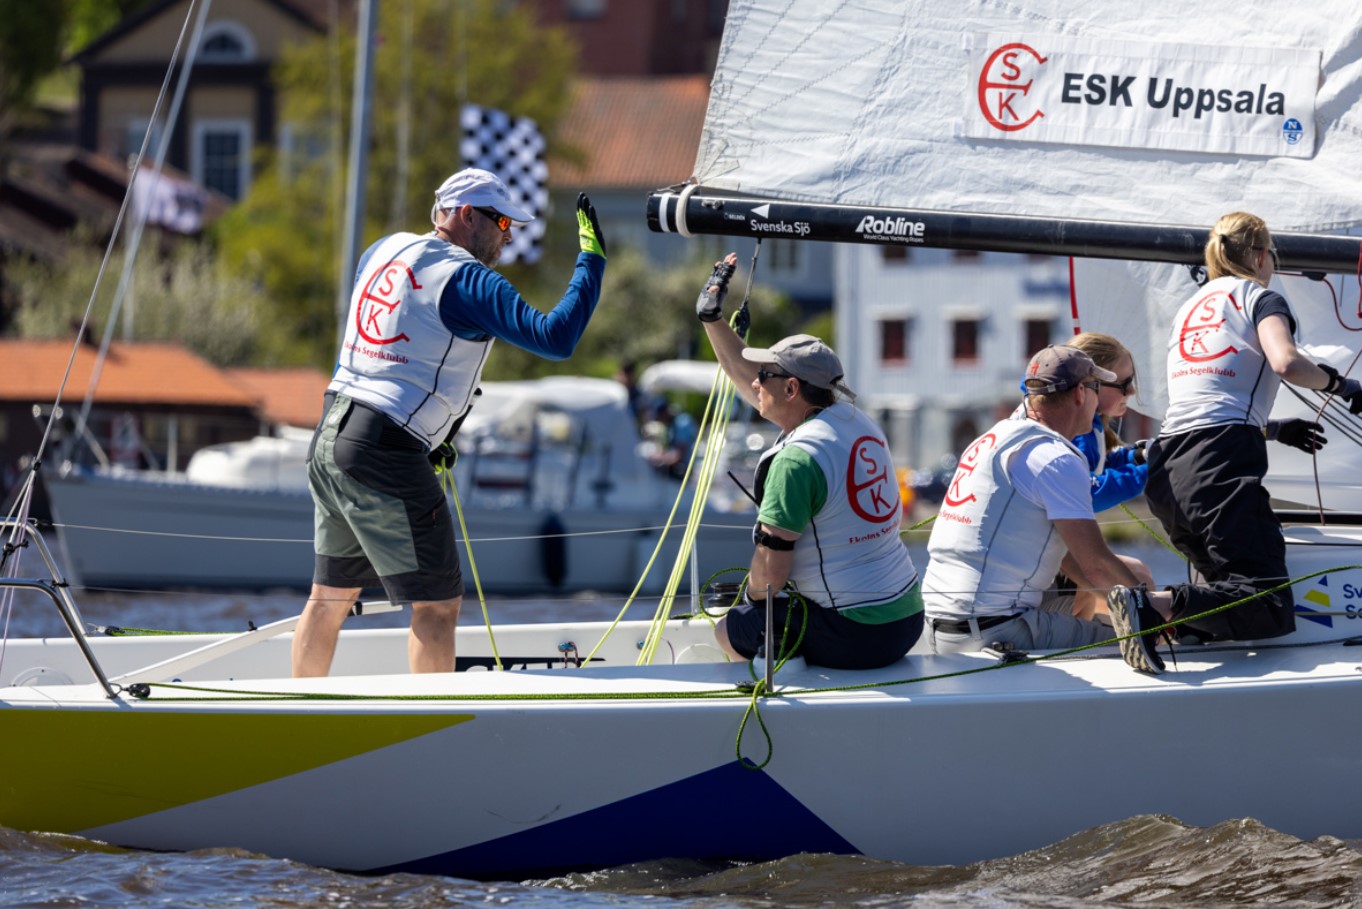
{"x":446,"y":476}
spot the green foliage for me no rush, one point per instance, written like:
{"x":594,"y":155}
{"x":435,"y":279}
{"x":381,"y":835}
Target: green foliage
{"x":183,"y":296}
{"x":30,"y":48}
{"x":285,"y":236}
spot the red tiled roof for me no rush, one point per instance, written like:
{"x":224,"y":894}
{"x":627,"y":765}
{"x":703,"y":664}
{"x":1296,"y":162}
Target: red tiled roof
{"x":289,"y":396}
{"x":150,"y":373}
{"x":633,"y":132}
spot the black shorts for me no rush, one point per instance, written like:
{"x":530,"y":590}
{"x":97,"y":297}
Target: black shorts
{"x":830,"y":638}
{"x":380,"y":514}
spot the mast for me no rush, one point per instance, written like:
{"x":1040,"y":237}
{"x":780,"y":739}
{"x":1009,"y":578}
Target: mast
{"x":693,"y":210}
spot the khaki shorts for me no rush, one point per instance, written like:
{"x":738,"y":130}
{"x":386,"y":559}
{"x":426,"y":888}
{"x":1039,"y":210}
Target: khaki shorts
{"x":380,"y":514}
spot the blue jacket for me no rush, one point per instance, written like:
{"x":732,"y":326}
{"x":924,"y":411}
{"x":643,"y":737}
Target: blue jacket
{"x":1122,"y":479}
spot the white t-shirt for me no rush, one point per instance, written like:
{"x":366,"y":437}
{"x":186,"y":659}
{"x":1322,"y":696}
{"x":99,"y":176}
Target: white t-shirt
{"x":1049,"y":476}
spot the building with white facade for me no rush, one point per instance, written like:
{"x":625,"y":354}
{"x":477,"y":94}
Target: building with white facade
{"x":935,"y":341}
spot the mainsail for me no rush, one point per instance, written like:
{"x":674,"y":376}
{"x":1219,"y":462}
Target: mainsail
{"x":1104,"y":130}
{"x":1009,"y":125}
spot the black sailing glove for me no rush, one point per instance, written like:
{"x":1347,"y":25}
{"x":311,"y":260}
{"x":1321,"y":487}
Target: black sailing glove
{"x":442,"y":457}
{"x":1302,"y":434}
{"x":711,"y":303}
{"x":1349,"y":390}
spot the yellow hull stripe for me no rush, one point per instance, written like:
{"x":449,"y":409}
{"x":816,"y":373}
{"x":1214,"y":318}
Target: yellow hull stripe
{"x":73,"y":770}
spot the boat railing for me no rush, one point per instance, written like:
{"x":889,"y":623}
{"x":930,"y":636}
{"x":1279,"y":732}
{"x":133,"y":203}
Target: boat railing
{"x":19,"y":535}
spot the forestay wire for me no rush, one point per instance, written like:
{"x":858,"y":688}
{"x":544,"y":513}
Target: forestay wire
{"x":9,"y":556}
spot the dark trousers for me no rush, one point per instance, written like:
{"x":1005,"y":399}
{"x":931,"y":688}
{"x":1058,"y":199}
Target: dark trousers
{"x":1206,"y":488}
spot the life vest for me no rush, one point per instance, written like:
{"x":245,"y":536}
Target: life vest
{"x":1217,"y":372}
{"x":850,"y":555}
{"x":991,"y":551}
{"x":397,"y":355}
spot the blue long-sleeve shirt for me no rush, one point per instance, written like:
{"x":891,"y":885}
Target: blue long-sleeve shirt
{"x":1122,"y":479}
{"x":478,"y":304}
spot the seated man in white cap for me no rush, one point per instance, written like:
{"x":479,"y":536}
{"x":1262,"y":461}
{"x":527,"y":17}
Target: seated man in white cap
{"x":1019,"y":510}
{"x":424,"y":313}
{"x":829,"y":512}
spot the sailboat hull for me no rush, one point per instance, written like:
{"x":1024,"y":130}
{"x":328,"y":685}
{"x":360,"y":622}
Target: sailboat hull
{"x":512,"y":774}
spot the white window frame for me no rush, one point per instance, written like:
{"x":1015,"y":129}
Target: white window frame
{"x":235,"y":30}
{"x":239,"y":125}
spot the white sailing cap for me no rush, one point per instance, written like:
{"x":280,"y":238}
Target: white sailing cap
{"x":481,"y":189}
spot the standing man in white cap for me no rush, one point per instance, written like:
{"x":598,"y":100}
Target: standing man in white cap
{"x":829,"y":512}
{"x":1018,"y":511}
{"x":423,"y":315}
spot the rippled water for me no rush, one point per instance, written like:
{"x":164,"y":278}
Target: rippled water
{"x":1149,"y":861}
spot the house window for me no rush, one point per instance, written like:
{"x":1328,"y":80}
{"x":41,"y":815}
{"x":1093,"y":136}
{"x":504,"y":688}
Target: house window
{"x":894,"y":342}
{"x":782,"y":256}
{"x":221,"y":156}
{"x":226,"y":42}
{"x":965,"y":255}
{"x":965,"y":340}
{"x":1037,"y":335}
{"x":586,"y":9}
{"x":894,"y":254}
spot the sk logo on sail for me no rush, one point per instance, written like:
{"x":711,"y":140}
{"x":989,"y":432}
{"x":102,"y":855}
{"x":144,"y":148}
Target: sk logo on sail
{"x":1002,"y":91}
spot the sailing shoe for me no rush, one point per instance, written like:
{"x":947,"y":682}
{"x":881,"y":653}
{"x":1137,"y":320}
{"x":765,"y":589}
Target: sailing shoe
{"x":1130,"y":611}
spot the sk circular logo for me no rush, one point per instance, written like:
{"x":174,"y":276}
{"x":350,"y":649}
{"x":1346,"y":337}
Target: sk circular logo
{"x":1197,"y":342}
{"x":380,"y":296}
{"x":872,"y":489}
{"x":955,"y":493}
{"x":1005,"y":82}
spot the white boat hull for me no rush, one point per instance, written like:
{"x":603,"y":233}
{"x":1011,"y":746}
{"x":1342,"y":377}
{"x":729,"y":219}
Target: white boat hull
{"x":935,"y":759}
{"x":945,"y":771}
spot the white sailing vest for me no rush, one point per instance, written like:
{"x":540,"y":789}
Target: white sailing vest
{"x":1217,"y":373}
{"x":398,"y":356}
{"x":850,"y":555}
{"x":991,"y":551}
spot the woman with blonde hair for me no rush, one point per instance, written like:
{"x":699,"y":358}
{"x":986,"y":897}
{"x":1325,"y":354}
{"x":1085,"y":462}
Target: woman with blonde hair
{"x":1118,"y":471}
{"x":1231,"y":345}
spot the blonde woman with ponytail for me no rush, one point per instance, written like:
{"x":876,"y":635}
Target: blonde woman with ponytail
{"x":1231,"y":345}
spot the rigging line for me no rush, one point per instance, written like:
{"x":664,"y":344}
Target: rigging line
{"x":104,"y":264}
{"x":140,"y":217}
{"x":719,"y":405}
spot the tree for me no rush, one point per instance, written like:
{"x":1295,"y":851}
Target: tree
{"x":183,"y":295}
{"x":431,"y":56}
{"x":30,"y":48}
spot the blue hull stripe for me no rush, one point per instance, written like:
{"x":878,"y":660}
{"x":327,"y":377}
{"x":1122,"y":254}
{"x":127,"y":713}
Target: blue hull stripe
{"x":691,"y":818}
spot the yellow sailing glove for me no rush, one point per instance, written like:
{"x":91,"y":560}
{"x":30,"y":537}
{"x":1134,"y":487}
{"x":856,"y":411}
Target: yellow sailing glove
{"x":588,"y":228}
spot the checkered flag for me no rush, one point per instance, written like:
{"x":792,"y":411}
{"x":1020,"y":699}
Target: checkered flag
{"x":513,"y":149}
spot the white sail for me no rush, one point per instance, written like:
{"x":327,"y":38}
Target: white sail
{"x":878,"y":102}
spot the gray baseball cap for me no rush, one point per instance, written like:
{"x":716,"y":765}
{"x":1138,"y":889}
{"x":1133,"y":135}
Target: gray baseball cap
{"x":807,"y":359}
{"x":1059,"y":368}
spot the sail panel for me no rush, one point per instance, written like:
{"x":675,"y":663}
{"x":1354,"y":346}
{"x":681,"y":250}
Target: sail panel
{"x":864,"y":103}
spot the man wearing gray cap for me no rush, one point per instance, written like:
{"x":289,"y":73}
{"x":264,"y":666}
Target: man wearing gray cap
{"x":1017,"y":512}
{"x":424,"y":313}
{"x":829,"y":510}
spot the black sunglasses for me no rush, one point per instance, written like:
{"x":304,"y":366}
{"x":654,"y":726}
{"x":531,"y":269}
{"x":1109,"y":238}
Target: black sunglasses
{"x":502,"y":221}
{"x":1127,"y":386}
{"x":764,"y":374}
